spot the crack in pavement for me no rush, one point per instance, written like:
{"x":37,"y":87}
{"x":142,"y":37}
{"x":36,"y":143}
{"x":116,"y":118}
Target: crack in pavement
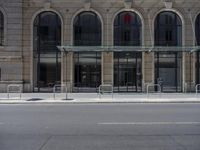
{"x":178,"y":143}
{"x":45,"y":142}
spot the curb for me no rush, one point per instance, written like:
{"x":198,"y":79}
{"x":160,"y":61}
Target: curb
{"x":95,"y":102}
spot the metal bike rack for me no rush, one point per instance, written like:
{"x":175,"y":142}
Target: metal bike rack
{"x":105,"y":88}
{"x":63,"y":89}
{"x":154,"y":85}
{"x":197,"y":89}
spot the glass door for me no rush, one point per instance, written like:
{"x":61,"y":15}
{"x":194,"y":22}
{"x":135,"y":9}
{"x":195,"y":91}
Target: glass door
{"x":87,"y":71}
{"x":127,"y":72}
{"x":168,"y":72}
{"x":198,"y":68}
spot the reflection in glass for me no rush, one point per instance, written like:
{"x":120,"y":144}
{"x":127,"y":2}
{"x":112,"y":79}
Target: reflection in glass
{"x":198,"y":68}
{"x":1,"y":28}
{"x":87,"y":71}
{"x":127,"y":29}
{"x":168,"y":71}
{"x":197,"y":31}
{"x":87,"y":29}
{"x":127,"y":71}
{"x":168,"y":32}
{"x":127,"y":65}
{"x":87,"y":32}
{"x":168,"y":29}
{"x":47,"y":64}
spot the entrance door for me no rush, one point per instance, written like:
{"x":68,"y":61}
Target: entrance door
{"x":168,"y":71}
{"x":87,"y":71}
{"x":127,"y":72}
{"x":198,"y":68}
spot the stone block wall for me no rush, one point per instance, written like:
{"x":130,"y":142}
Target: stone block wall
{"x":16,"y":56}
{"x":11,"y":59}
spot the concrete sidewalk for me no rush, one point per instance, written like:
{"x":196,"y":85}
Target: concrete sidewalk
{"x":37,"y":98}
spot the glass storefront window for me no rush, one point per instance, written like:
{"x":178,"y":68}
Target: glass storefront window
{"x":1,"y":28}
{"x":127,"y":29}
{"x":168,"y":70}
{"x":127,"y":65}
{"x":127,"y":71}
{"x":47,"y":36}
{"x":197,"y":31}
{"x":87,"y":29}
{"x":87,"y":71}
{"x":168,"y":29}
{"x":87,"y":65}
{"x":198,"y":68}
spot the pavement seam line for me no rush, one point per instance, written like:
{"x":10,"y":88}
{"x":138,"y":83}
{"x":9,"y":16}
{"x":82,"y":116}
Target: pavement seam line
{"x":45,"y":142}
{"x":149,"y":123}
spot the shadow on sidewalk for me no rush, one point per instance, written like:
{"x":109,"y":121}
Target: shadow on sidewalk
{"x":35,"y":99}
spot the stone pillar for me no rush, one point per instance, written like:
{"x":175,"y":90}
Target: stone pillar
{"x":67,"y":70}
{"x":148,"y":69}
{"x":107,"y":68}
{"x":189,"y":72}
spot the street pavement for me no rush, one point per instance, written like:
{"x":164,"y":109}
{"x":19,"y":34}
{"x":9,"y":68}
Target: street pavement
{"x":123,"y":126}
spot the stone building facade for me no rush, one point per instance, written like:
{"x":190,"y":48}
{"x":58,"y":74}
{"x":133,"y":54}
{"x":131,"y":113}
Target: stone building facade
{"x":128,"y":67}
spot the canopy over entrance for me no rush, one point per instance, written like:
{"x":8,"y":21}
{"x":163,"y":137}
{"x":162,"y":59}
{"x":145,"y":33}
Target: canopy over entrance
{"x":128,"y":48}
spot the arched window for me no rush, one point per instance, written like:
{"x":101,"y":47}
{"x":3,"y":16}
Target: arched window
{"x":197,"y":29}
{"x":87,"y":29}
{"x":1,"y":28}
{"x":168,"y":29}
{"x":127,"y":29}
{"x":47,"y":32}
{"x":197,"y":33}
{"x":46,"y":38}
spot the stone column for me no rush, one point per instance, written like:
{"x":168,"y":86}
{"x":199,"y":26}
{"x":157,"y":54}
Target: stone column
{"x":107,"y":68}
{"x":67,"y":70}
{"x":148,"y":69}
{"x":189,"y":71}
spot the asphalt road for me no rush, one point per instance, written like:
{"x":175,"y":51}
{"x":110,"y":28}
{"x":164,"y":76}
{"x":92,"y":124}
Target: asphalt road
{"x":100,"y":127}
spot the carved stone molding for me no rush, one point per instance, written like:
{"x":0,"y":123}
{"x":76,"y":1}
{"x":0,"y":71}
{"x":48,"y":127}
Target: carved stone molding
{"x":10,"y":58}
{"x":168,"y":3}
{"x":128,"y":4}
{"x":47,"y":5}
{"x":87,"y":4}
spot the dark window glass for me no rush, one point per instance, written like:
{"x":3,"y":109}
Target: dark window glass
{"x":1,"y":28}
{"x":47,"y":28}
{"x":198,"y":68}
{"x":127,"y":29}
{"x":128,"y":71}
{"x":168,"y":29}
{"x":197,"y":31}
{"x":197,"y":28}
{"x":87,"y":29}
{"x":47,"y":36}
{"x":87,"y":71}
{"x":168,"y":72}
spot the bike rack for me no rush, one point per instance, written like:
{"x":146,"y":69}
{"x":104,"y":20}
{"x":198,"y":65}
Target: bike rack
{"x":63,"y":89}
{"x":105,"y":88}
{"x":197,"y":89}
{"x":154,"y":85}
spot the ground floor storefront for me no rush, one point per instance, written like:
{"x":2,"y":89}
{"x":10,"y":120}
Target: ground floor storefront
{"x":127,"y":71}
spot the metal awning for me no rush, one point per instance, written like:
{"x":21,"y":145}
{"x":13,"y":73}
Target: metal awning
{"x":128,"y":48}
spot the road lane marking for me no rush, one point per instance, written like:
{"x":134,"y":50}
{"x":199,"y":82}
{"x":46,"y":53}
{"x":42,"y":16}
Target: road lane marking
{"x":149,"y":123}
